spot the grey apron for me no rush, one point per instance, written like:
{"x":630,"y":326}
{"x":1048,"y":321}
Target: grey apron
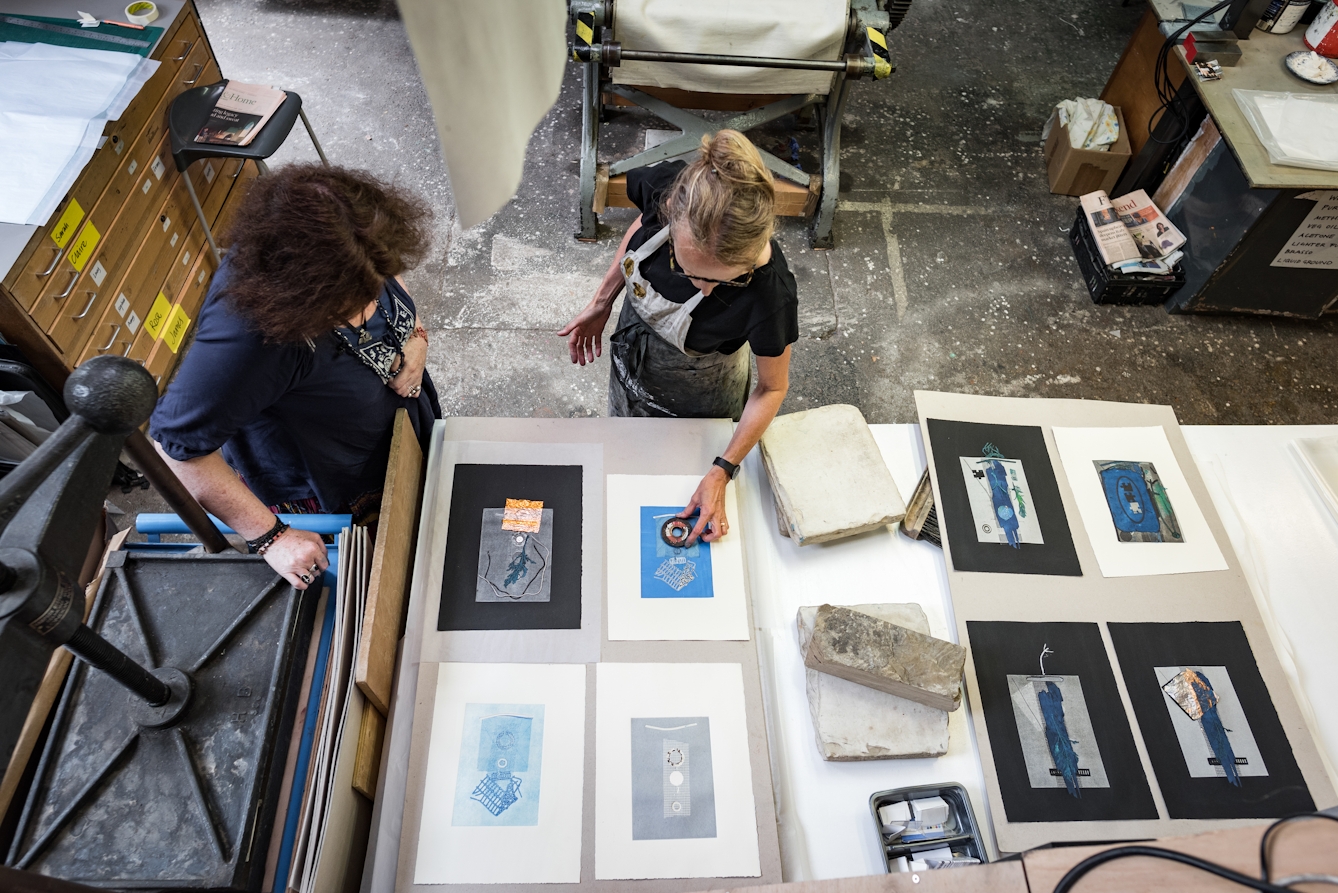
{"x":652,"y":372}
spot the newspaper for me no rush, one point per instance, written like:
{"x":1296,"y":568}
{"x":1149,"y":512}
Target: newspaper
{"x":1132,"y":228}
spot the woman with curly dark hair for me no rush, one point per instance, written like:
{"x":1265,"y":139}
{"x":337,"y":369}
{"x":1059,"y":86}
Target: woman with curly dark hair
{"x":306,"y":345}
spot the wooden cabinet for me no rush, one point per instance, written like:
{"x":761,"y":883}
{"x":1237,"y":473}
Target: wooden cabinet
{"x":126,"y":239}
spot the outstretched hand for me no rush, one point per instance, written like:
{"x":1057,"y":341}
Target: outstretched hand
{"x":585,"y":333}
{"x":709,"y":499}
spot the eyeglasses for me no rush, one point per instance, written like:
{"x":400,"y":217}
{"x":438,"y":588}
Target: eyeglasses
{"x":736,"y":283}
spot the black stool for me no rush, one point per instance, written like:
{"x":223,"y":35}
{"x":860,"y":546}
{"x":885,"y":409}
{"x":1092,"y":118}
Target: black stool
{"x":188,"y":114}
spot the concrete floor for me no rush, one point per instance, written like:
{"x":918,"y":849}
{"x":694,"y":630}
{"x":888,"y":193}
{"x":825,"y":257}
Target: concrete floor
{"x":952,"y":271}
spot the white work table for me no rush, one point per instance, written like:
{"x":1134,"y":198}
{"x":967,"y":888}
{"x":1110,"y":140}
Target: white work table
{"x":1286,"y":540}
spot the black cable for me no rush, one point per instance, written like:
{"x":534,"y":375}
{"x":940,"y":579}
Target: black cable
{"x":1268,"y":832}
{"x":1166,"y":91}
{"x":1076,"y":872}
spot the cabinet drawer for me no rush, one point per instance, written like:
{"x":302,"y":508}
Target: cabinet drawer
{"x":84,"y":261}
{"x":160,"y":246}
{"x":174,"y":337}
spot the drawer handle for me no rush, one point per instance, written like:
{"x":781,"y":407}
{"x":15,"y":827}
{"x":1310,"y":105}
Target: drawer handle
{"x":116,"y":331}
{"x":190,"y":45}
{"x":128,"y":345}
{"x":199,"y":69}
{"x":51,"y":269}
{"x":92,"y":296}
{"x":74,"y":277}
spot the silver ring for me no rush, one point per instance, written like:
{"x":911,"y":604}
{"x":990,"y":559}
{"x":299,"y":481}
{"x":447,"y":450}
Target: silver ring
{"x":315,"y":568}
{"x":304,"y":578}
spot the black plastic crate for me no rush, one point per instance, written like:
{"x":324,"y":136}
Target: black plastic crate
{"x":1108,"y":287}
{"x":965,"y":838}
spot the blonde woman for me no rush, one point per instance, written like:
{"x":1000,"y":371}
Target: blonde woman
{"x":706,"y":285}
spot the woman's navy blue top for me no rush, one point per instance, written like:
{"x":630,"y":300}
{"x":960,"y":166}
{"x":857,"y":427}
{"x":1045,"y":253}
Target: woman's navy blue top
{"x":293,"y":421}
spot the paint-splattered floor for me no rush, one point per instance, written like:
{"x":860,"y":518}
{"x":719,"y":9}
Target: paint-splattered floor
{"x":952,"y":270}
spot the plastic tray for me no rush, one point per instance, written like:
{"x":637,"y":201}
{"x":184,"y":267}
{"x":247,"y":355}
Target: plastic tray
{"x":965,"y":841}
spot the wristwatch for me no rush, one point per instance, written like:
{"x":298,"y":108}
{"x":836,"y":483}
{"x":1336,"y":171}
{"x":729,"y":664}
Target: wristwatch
{"x":730,"y":468}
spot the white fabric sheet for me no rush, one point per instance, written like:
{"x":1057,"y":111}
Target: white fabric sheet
{"x":492,"y":69}
{"x":722,"y":617}
{"x":548,"y":851}
{"x":54,"y":103}
{"x":779,"y":29}
{"x":624,"y":692}
{"x":1319,"y":457}
{"x":1080,"y":448}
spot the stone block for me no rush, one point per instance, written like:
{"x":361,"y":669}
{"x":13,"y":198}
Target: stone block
{"x":891,"y":658}
{"x":827,"y":475}
{"x":853,"y":722}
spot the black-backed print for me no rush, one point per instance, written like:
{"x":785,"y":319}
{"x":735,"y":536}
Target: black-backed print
{"x":479,"y":487}
{"x":1140,"y":648}
{"x":1000,"y":649}
{"x":950,"y":441}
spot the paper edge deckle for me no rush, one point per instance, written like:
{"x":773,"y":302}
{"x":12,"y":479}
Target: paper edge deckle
{"x":981,"y":600}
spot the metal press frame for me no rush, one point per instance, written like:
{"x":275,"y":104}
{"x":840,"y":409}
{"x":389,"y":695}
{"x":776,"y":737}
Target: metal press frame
{"x":870,"y":20}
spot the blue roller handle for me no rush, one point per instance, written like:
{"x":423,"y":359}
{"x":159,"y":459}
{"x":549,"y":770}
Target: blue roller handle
{"x":155,"y":524}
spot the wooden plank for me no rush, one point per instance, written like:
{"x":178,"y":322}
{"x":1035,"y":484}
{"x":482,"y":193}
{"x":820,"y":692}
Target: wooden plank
{"x":1303,"y":847}
{"x":998,"y":877}
{"x":792,"y":200}
{"x":1131,"y":86}
{"x":716,"y":102}
{"x":1188,"y":164}
{"x":47,"y":692}
{"x":392,"y":562}
{"x":367,"y":764}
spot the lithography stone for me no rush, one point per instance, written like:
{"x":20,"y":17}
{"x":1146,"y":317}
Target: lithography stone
{"x":886,"y":656}
{"x":828,"y":477}
{"x":853,"y":722}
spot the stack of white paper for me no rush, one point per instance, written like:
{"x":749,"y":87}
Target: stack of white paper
{"x":47,"y":135}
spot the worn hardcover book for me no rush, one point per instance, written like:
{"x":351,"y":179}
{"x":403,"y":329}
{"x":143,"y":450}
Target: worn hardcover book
{"x":240,"y":113}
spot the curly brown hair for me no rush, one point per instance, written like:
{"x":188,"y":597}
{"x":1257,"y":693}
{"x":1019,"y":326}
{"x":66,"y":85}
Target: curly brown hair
{"x":312,"y":245}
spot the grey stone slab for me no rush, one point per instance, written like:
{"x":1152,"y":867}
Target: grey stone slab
{"x":852,"y":722}
{"x":886,"y":656}
{"x":827,"y":475}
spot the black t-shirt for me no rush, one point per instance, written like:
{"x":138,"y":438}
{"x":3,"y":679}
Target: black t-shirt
{"x":292,"y":420}
{"x":765,"y":315}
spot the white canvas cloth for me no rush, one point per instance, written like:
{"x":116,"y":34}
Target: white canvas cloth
{"x":779,"y":29}
{"x":46,"y":138}
{"x":492,"y":69}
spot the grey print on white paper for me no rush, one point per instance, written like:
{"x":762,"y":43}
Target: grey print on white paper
{"x":514,"y":566}
{"x":1041,"y":769}
{"x":673,"y":785}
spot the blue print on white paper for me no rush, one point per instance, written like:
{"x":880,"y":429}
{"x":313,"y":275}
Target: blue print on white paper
{"x":669,"y":572}
{"x":501,"y":752}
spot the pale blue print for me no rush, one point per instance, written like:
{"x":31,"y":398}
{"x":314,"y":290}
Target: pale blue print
{"x":501,"y":753}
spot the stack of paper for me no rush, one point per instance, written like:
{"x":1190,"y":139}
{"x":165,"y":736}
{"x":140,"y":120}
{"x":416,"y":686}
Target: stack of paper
{"x":47,"y":135}
{"x":331,"y":813}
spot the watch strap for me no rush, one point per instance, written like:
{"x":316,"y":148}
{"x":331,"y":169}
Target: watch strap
{"x":730,"y":468}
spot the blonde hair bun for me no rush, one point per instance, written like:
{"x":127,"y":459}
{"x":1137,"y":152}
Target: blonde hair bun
{"x":724,"y":199}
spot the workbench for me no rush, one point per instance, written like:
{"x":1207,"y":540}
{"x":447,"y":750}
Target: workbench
{"x":1240,"y":209}
{"x":1286,"y":540}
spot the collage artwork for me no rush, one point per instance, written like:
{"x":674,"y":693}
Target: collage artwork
{"x":669,"y":572}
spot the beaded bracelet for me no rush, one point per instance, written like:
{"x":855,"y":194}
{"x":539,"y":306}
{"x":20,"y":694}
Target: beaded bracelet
{"x":262,"y":543}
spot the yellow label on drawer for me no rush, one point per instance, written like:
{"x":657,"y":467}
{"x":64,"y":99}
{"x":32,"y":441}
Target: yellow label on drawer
{"x":153,"y":323}
{"x":177,"y":324}
{"x":64,"y":228}
{"x":84,"y":246}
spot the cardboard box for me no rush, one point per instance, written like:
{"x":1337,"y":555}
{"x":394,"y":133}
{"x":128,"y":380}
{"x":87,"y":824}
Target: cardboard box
{"x":1080,"y":171}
